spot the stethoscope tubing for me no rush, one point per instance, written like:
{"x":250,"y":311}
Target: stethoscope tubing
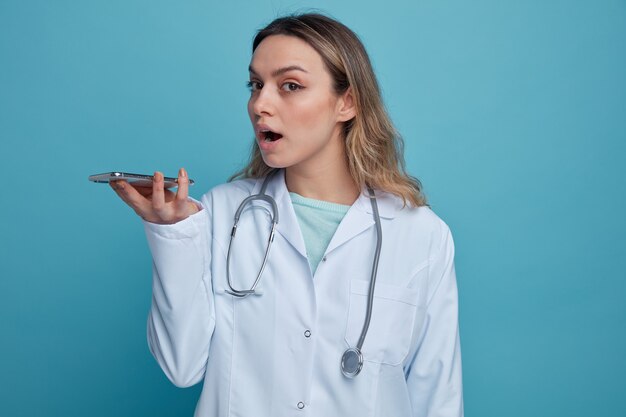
{"x":352,"y":358}
{"x":370,"y":296}
{"x":260,"y":196}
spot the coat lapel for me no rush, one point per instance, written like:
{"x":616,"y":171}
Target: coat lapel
{"x":355,"y":222}
{"x":359,"y":217}
{"x":288,"y":225}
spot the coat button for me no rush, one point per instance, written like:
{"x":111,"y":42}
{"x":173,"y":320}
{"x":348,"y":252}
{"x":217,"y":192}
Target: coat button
{"x":300,"y":405}
{"x":307,"y":333}
{"x":324,"y":259}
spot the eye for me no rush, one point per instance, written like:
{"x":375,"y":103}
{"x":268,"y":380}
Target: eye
{"x":254,"y":85}
{"x":291,"y":86}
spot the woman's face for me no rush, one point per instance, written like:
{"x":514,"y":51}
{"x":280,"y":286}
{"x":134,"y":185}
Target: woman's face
{"x":295,"y":113}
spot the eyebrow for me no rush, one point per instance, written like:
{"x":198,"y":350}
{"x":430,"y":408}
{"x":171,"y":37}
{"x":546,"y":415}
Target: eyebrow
{"x":281,"y":71}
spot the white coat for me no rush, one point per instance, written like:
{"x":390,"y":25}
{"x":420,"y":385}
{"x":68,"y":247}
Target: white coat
{"x":278,"y":353}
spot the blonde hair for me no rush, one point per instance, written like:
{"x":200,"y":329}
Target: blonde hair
{"x":374,"y":148}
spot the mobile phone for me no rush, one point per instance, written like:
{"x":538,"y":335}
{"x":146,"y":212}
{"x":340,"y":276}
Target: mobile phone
{"x":138,"y":180}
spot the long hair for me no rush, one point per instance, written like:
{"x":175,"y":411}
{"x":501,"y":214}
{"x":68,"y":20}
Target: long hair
{"x":374,"y":148}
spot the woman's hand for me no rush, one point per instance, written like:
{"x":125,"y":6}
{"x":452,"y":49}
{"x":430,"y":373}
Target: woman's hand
{"x":156,"y":204}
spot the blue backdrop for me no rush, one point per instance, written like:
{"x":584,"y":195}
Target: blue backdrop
{"x":514,"y":116}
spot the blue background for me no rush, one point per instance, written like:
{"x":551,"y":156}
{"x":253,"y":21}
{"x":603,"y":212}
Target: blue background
{"x":514,"y":116}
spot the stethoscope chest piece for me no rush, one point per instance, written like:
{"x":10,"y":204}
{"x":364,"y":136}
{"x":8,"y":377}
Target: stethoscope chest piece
{"x":351,"y":362}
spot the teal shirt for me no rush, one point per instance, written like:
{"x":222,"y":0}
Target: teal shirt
{"x":318,"y":221}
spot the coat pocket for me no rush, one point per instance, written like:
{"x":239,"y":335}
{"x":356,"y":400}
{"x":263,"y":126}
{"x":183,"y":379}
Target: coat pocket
{"x":391,"y":326}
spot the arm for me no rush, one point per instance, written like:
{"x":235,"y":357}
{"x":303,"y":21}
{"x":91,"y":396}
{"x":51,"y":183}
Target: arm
{"x":434,"y":373}
{"x":182,"y":316}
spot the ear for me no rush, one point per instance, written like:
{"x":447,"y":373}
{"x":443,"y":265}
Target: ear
{"x":346,"y":107}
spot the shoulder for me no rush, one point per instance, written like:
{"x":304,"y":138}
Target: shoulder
{"x":419,"y":226}
{"x":422,"y":217}
{"x":231,"y":189}
{"x":242,"y":186}
{"x":227,"y":193}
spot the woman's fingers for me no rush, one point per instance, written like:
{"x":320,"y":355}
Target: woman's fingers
{"x":183,"y":186}
{"x":144,"y":191}
{"x":156,"y":204}
{"x":158,"y":193}
{"x":131,"y":197}
{"x":185,"y":208}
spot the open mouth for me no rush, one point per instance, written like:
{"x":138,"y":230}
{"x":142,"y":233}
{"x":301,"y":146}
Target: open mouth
{"x":269,"y":136}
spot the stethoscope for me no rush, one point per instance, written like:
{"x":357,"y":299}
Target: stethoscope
{"x":352,"y":358}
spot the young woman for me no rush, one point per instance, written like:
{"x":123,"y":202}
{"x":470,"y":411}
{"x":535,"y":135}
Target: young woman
{"x":348,"y":307}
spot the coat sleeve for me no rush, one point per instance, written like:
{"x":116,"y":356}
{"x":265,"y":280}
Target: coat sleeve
{"x":434,"y":373}
{"x":182,"y":315}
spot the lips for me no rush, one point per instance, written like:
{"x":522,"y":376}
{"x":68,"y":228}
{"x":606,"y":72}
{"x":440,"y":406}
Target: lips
{"x":266,"y":134}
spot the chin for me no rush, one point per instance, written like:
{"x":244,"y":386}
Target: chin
{"x":274,"y":162}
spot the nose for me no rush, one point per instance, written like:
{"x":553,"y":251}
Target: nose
{"x":261,"y":102}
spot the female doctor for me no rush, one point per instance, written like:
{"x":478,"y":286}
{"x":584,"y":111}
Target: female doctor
{"x":335,"y":294}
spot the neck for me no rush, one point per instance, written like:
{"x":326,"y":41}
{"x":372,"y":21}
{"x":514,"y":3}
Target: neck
{"x":331,"y":182}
